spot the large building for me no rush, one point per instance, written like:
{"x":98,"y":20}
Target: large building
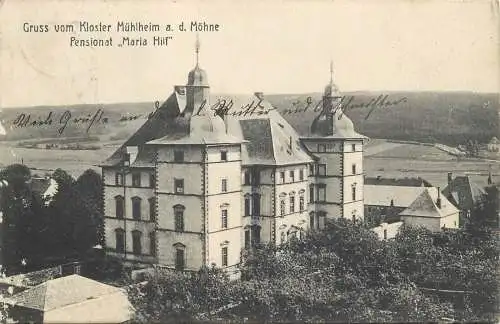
{"x":203,"y":178}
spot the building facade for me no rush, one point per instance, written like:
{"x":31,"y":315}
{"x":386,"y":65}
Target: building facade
{"x":203,"y":179}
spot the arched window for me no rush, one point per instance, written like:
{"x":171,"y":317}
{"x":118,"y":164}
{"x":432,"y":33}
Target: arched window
{"x":292,"y":203}
{"x":247,"y":205}
{"x":180,"y":256}
{"x":353,"y":191}
{"x":136,"y":207}
{"x":224,"y":254}
{"x":282,"y":204}
{"x":152,"y":209}
{"x":119,"y":206}
{"x":120,"y":240}
{"x":179,"y":218}
{"x":136,"y":242}
{"x":152,"y":243}
{"x":301,"y":203}
{"x":119,"y":179}
{"x":224,"y":215}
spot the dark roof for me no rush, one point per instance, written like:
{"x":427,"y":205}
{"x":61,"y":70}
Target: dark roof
{"x":40,"y":185}
{"x":406,"y":182}
{"x":463,"y":192}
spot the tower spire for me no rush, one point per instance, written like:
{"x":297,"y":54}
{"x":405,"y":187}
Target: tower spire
{"x":331,"y":71}
{"x":197,"y":48}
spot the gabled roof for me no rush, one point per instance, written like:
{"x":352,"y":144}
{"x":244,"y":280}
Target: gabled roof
{"x":401,"y":196}
{"x":426,"y":205}
{"x":61,"y":292}
{"x":463,"y":192}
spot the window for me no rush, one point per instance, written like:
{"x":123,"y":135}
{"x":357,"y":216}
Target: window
{"x":120,"y":240}
{"x":292,"y":204}
{"x":256,"y":204}
{"x":311,"y":220}
{"x":283,"y":238}
{"x":119,"y":206}
{"x":301,"y":203}
{"x":119,"y":179}
{"x":152,"y":243}
{"x":178,"y":156}
{"x":353,"y":147}
{"x":223,"y":155}
{"x":136,"y":208}
{"x":322,"y":192}
{"x":311,"y":193}
{"x":179,"y":218}
{"x":224,"y":218}
{"x":255,"y":234}
{"x":354,"y":169}
{"x":311,"y":169}
{"x":354,"y":216}
{"x":385,"y":234}
{"x":151,"y":180}
{"x":246,"y":178}
{"x":301,"y":175}
{"x":247,"y":205}
{"x":136,"y":242}
{"x":321,"y":169}
{"x":353,"y":191}
{"x":179,"y":256}
{"x":282,"y":177}
{"x":247,"y":239}
{"x":292,"y":176}
{"x":224,"y":185}
{"x":179,"y":186}
{"x":224,"y":256}
{"x":255,"y":177}
{"x":282,"y":206}
{"x":321,"y":148}
{"x":152,"y":206}
{"x":136,"y":179}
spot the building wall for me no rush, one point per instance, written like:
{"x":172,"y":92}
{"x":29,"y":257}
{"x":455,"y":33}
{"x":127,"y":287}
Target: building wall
{"x":450,"y":221}
{"x":390,"y":230}
{"x":431,"y":223}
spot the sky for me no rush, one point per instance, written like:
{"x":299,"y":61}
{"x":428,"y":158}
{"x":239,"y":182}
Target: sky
{"x":266,"y":46}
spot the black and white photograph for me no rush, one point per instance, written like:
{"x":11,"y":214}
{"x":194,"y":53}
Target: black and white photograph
{"x":249,"y":161}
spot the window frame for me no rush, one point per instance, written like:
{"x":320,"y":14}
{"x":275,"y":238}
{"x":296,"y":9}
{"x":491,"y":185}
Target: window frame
{"x":136,"y":207}
{"x":178,"y":184}
{"x":178,"y":155}
{"x":136,"y":179}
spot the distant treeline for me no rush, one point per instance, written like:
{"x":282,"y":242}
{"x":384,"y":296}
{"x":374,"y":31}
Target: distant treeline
{"x":450,"y":118}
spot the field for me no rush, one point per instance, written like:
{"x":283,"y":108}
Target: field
{"x":381,"y":158}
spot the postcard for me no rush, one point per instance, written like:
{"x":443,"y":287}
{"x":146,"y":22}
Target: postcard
{"x":261,"y":161}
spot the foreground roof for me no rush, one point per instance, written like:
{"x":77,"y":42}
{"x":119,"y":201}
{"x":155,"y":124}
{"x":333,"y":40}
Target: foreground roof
{"x":426,"y":205}
{"x":62,"y":292}
{"x":400,"y":196}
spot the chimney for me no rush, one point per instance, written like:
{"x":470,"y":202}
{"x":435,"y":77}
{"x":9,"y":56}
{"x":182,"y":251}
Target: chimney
{"x":259,"y":95}
{"x":449,"y":178}
{"x":438,"y":201}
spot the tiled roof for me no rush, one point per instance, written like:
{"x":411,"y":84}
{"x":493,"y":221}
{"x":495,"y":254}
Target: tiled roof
{"x":61,"y":292}
{"x":425,"y":205}
{"x":377,"y":195}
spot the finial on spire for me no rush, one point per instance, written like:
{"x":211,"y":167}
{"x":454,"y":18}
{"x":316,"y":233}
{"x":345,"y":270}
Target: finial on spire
{"x":331,"y":71}
{"x":197,"y":48}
